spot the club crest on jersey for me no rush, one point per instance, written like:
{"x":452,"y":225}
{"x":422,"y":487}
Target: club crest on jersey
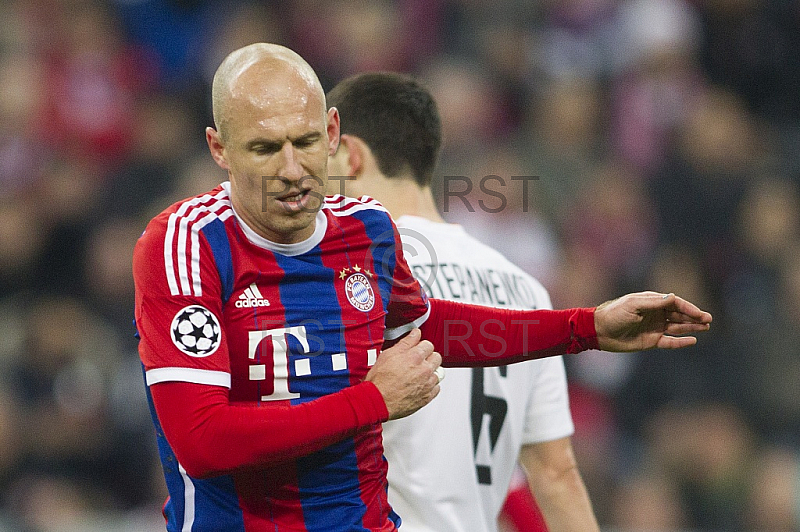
{"x":195,"y":331}
{"x":357,"y":288}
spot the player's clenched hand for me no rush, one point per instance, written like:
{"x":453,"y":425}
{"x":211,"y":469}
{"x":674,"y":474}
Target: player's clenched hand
{"x":405,"y":375}
{"x":646,"y":320}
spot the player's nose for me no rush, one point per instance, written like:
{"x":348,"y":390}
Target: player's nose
{"x":290,"y":167}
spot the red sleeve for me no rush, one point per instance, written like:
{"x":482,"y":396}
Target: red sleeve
{"x":166,"y":286}
{"x":210,"y":437}
{"x":473,"y":335}
{"x":408,"y":304}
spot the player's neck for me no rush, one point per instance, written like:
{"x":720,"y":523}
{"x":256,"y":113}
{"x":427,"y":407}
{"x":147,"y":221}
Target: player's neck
{"x":403,"y":197}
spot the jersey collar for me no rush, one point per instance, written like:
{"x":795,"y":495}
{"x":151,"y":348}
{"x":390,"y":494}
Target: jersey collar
{"x":290,"y":250}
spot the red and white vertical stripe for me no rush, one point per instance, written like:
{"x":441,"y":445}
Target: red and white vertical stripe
{"x":182,"y":241}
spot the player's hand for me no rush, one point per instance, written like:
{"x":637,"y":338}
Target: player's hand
{"x":405,"y":374}
{"x":646,"y":320}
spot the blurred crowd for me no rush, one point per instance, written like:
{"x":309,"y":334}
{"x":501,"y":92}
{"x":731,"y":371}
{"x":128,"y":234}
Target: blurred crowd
{"x":604,"y":145}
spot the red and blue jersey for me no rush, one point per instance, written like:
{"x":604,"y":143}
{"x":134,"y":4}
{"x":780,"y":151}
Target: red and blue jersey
{"x":218,"y":305}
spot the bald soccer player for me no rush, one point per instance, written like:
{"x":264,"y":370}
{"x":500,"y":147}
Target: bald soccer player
{"x":279,"y":328}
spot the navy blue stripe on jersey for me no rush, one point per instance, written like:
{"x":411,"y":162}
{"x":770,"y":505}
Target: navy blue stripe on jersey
{"x":214,"y":504}
{"x":217,"y":505}
{"x":217,"y":238}
{"x":308,"y":289}
{"x":393,"y":516}
{"x":379,"y":230}
{"x":335,"y":465}
{"x":173,"y":511}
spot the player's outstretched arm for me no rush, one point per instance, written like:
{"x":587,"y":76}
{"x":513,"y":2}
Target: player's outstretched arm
{"x":472,"y":335}
{"x":646,"y":320}
{"x":405,"y":374}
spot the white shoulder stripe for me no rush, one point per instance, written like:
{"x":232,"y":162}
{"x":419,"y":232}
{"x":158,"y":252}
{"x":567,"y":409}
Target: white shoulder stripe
{"x":177,"y":235}
{"x":196,"y":285}
{"x":358,"y":207}
{"x":344,"y":206}
{"x":193,"y":375}
{"x":168,"y":263}
{"x":338,"y":200}
{"x":195,"y":245}
{"x":396,"y":332}
{"x":334,"y":199}
{"x":183,"y":272}
{"x":369,"y":199}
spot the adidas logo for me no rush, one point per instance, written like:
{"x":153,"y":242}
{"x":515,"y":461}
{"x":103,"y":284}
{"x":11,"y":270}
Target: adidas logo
{"x":251,"y":297}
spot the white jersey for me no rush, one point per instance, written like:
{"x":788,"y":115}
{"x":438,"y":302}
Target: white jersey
{"x":451,"y":463}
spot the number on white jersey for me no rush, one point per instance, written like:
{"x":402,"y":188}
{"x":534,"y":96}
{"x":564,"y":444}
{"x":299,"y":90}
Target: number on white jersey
{"x":486,"y":406}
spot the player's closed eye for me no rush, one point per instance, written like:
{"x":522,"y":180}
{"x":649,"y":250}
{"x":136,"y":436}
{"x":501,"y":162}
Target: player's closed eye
{"x":265,"y":149}
{"x":307,"y":141}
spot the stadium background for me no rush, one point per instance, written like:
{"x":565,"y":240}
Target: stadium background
{"x":664,"y":136}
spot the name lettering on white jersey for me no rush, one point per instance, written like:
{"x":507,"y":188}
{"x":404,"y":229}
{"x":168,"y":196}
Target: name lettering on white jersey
{"x":251,"y":297}
{"x":483,"y":286}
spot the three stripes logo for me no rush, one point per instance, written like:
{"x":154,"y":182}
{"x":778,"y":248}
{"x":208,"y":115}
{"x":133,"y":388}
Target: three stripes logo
{"x":251,"y":297}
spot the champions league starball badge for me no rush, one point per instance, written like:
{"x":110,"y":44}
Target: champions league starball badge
{"x":195,"y":331}
{"x":358,"y":289}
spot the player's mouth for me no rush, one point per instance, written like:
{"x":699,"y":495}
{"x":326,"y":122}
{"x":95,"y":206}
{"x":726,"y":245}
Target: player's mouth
{"x":295,"y":200}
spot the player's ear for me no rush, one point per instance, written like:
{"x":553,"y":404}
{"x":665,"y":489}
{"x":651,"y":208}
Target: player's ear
{"x":333,"y":130}
{"x":355,"y":155}
{"x":216,"y":147}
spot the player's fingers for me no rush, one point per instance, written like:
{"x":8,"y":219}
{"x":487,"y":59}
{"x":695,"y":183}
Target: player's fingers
{"x":673,"y":342}
{"x":651,"y":294}
{"x":410,"y":340}
{"x":680,"y":309}
{"x":651,"y":301}
{"x":435,"y":391}
{"x":657,"y":300}
{"x":686,"y":328}
{"x":424,"y":349}
{"x":434,"y":359}
{"x":689,"y":310}
{"x":678,"y":317}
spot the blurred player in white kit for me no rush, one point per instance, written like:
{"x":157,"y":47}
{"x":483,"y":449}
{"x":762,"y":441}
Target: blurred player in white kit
{"x":451,"y":463}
